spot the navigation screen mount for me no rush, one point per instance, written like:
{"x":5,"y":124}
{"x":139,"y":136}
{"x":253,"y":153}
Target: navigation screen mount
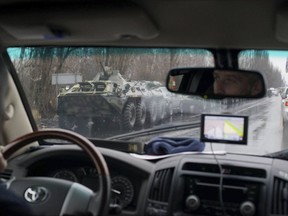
{"x":224,"y":129}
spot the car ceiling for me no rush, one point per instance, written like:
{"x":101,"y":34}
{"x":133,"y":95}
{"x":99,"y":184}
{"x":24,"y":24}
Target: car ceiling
{"x":156,"y":23}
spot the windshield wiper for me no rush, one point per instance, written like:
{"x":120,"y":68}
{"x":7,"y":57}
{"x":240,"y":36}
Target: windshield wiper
{"x":156,"y":130}
{"x":279,"y":154}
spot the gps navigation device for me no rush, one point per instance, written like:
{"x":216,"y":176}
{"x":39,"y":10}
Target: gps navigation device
{"x":224,"y":129}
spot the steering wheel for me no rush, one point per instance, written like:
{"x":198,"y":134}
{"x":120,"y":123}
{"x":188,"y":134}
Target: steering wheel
{"x":51,"y":196}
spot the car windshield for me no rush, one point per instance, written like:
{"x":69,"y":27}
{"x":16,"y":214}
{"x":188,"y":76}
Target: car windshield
{"x":120,"y":93}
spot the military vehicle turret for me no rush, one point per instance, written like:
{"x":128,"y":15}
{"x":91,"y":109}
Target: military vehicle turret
{"x":111,"y":98}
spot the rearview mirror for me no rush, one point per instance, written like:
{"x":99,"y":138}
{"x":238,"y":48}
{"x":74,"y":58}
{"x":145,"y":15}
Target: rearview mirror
{"x":216,"y":83}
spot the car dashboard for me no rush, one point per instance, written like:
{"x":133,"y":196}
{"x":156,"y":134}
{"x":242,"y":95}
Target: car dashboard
{"x":201,"y":189}
{"x":179,"y":185}
{"x":125,"y":185}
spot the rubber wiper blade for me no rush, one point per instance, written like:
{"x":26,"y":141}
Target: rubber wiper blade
{"x":156,"y":130}
{"x":283,"y":154}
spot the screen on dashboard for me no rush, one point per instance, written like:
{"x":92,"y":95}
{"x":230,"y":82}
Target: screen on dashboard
{"x":224,"y":128}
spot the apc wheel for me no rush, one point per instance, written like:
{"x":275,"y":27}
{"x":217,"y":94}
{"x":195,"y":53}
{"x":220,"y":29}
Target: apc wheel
{"x":141,"y":112}
{"x":63,"y":197}
{"x":129,"y":116}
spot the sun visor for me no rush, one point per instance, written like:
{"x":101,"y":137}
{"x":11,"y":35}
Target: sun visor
{"x":91,"y":22}
{"x":282,"y":24}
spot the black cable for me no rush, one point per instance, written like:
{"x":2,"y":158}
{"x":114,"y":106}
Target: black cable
{"x":221,"y":181}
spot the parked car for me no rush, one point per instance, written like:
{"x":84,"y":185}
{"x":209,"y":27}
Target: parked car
{"x":272,"y":92}
{"x":284,"y":93}
{"x":284,"y":107}
{"x":226,"y":154}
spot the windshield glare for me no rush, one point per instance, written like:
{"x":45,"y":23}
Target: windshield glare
{"x":110,"y":92}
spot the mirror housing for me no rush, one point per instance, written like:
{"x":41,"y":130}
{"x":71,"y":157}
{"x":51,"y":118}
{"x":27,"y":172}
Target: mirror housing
{"x":216,"y":83}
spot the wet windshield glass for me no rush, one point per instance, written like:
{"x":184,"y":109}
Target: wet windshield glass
{"x":112,"y":92}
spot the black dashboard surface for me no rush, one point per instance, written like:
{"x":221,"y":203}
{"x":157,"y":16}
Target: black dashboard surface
{"x":129,"y":176}
{"x":180,"y":185}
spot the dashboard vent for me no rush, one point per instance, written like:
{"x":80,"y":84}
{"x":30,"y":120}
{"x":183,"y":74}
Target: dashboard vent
{"x":228,"y":170}
{"x":280,"y":197}
{"x":161,"y":185}
{"x":6,"y":174}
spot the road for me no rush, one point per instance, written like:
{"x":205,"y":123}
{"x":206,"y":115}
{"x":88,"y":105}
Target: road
{"x":266,"y":133}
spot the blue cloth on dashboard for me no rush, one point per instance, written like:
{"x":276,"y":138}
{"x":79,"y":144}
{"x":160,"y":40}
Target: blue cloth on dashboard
{"x":171,"y":145}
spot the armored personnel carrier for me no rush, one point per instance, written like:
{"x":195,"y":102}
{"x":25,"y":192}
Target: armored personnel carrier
{"x":109,"y":98}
